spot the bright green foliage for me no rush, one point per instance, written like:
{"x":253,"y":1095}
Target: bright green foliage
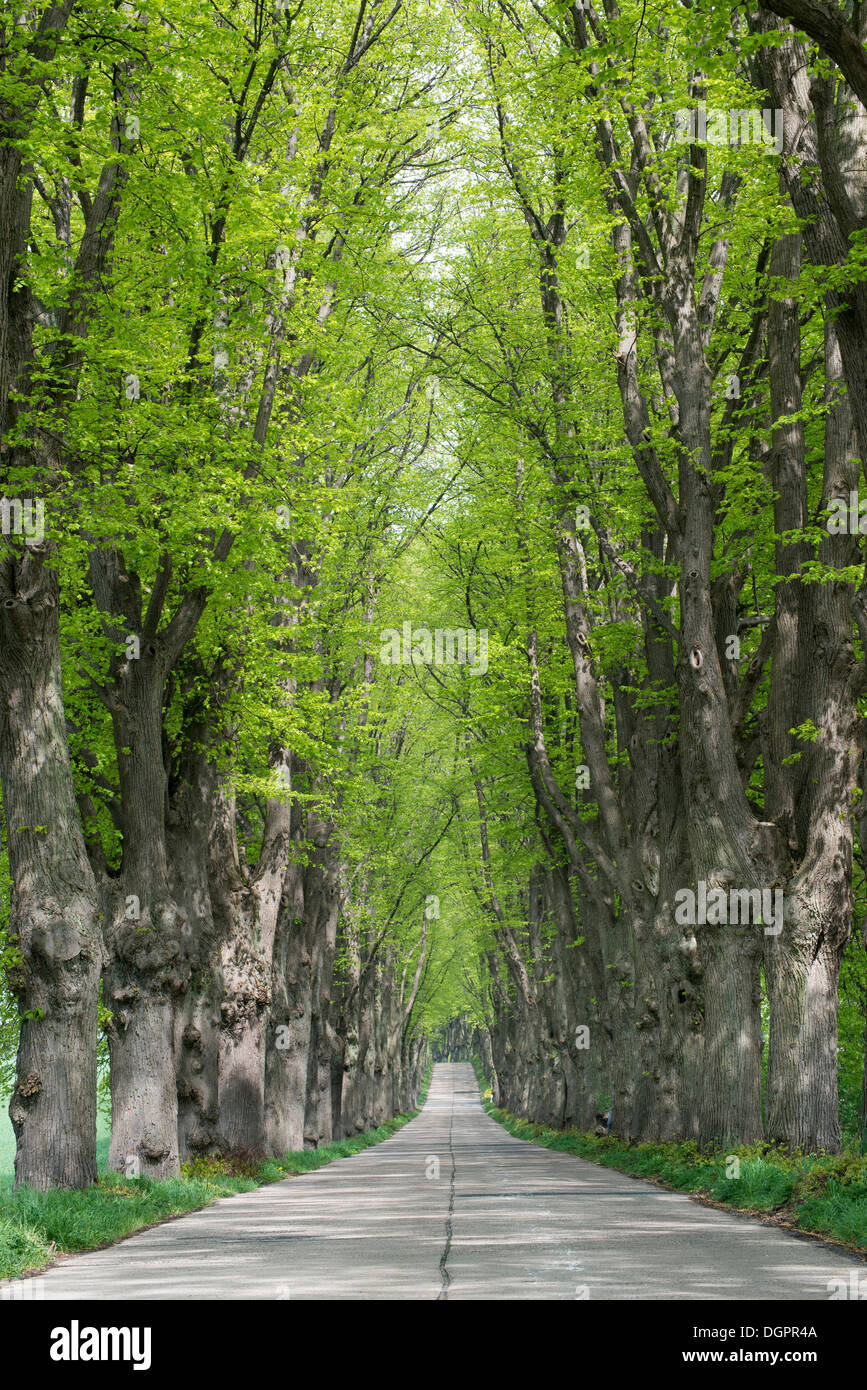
{"x":365,"y":230}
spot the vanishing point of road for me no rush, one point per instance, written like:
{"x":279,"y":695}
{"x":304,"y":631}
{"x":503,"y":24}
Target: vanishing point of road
{"x":453,"y":1207}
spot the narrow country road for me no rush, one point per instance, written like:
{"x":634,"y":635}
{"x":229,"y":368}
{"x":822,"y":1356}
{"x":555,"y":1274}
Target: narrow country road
{"x":503,"y":1219}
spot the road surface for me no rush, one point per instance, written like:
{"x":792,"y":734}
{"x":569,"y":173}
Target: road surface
{"x":452,"y":1207}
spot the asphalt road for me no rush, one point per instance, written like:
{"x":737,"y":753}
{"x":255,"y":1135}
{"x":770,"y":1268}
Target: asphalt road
{"x":452,"y":1207}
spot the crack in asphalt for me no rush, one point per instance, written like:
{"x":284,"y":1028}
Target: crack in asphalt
{"x":444,"y":1257}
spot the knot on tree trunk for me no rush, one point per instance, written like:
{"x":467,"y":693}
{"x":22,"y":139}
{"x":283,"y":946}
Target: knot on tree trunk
{"x":25,"y":1092}
{"x":154,"y":1147}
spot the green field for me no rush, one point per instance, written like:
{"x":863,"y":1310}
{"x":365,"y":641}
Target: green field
{"x":7,"y":1143}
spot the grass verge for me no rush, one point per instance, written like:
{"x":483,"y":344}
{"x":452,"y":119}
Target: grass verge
{"x":35,"y":1227}
{"x":815,"y":1193}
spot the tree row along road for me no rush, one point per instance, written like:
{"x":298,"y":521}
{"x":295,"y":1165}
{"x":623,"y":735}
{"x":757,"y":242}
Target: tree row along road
{"x":453,"y":1207}
{"x":432,"y":576}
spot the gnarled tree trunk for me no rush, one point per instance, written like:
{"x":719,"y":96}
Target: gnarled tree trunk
{"x":55,"y":911}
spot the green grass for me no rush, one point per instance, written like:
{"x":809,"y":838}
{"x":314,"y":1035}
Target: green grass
{"x":824,"y":1194}
{"x":35,"y":1226}
{"x":21,"y":1247}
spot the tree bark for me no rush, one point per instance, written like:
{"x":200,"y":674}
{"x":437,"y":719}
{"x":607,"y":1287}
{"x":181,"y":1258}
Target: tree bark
{"x":55,"y":910}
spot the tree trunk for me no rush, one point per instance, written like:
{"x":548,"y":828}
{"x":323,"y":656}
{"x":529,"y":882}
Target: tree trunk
{"x":55,"y":911}
{"x":802,"y":963}
{"x":149,"y":968}
{"x":196,"y":806}
{"x":323,"y":905}
{"x":289,"y":1035}
{"x":248,"y":964}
